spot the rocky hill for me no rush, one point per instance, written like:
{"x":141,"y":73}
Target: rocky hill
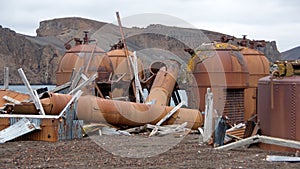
{"x":39,"y":55}
{"x":292,"y":54}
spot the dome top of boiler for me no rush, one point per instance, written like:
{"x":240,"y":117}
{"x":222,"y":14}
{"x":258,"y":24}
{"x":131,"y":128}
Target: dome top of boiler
{"x":217,"y":46}
{"x":85,"y":48}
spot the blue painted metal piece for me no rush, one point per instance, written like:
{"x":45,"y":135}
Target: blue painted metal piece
{"x":220,"y":131}
{"x":69,"y":126}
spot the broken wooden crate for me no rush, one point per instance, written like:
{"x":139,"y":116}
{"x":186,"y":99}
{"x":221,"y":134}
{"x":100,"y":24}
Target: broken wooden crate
{"x":47,"y":127}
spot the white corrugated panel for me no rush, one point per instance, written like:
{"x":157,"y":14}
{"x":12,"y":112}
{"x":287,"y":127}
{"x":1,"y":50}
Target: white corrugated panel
{"x":20,"y":128}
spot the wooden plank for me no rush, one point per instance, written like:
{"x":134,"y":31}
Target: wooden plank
{"x":6,"y":78}
{"x":38,"y":102}
{"x":9,"y":99}
{"x":61,"y":87}
{"x":74,"y":98}
{"x":280,"y":142}
{"x":29,"y":116}
{"x":75,"y":80}
{"x":208,"y":128}
{"x":170,"y":113}
{"x":244,"y":142}
{"x":282,"y":158}
{"x":168,"y":129}
{"x":83,"y":84}
{"x":139,"y":90}
{"x":90,"y":59}
{"x":33,"y":95}
{"x":262,"y":139}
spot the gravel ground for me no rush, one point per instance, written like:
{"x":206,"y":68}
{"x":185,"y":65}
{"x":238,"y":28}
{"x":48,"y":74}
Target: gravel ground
{"x":139,"y":151}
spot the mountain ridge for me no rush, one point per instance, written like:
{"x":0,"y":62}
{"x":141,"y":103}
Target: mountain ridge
{"x":291,"y":54}
{"x":39,"y":55}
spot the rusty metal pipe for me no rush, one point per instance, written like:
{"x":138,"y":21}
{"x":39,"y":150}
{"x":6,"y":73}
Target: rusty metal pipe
{"x":164,"y":82}
{"x":53,"y":104}
{"x":95,"y":109}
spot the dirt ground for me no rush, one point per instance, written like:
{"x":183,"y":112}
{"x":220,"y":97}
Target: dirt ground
{"x":139,"y":151}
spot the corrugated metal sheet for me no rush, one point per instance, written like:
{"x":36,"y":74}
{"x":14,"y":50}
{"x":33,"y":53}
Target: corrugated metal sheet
{"x":19,"y":128}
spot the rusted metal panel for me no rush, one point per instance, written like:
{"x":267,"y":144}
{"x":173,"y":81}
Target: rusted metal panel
{"x":278,"y":108}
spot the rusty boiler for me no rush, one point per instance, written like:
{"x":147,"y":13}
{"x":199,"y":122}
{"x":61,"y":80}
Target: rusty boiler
{"x":222,"y":67}
{"x":121,"y":77}
{"x":83,"y":55}
{"x":279,"y":108}
{"x":258,"y":67}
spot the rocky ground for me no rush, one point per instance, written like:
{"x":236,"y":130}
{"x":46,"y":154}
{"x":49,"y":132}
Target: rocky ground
{"x":89,"y":152}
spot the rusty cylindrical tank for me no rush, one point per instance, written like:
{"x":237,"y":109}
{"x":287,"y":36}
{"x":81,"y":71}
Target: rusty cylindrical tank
{"x":122,"y":68}
{"x":95,"y":109}
{"x":88,"y":56}
{"x":222,"y":68}
{"x":278,"y":108}
{"x":258,"y":67}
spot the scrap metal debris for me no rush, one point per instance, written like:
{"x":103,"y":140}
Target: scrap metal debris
{"x":20,"y":128}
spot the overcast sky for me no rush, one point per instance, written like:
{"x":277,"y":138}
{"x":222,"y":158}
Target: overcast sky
{"x":259,"y":19}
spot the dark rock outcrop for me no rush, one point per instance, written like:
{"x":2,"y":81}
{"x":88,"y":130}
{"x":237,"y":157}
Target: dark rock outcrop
{"x":37,"y":57}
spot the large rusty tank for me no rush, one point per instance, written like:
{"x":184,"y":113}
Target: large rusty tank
{"x":278,"y":108}
{"x":222,"y":67}
{"x":258,"y":67}
{"x":83,"y":55}
{"x":120,"y":82}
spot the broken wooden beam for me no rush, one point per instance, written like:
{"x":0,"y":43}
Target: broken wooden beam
{"x":209,"y":124}
{"x":280,"y":142}
{"x":262,"y":139}
{"x":282,"y":158}
{"x":12,"y":100}
{"x":33,"y":94}
{"x":75,"y":78}
{"x":92,"y":78}
{"x":61,"y":87}
{"x":170,"y":113}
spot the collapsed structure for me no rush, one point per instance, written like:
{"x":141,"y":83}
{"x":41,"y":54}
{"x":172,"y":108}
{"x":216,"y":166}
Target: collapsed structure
{"x":238,"y":77}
